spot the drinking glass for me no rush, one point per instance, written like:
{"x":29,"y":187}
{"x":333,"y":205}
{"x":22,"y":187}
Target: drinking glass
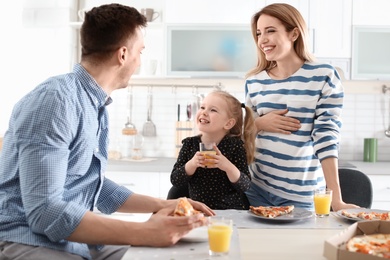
{"x":207,"y":149}
{"x":220,"y":231}
{"x":322,"y":201}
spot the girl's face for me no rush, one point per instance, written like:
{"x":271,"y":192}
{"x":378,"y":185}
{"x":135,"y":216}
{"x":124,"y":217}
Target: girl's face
{"x":273,"y":40}
{"x":212,"y":116}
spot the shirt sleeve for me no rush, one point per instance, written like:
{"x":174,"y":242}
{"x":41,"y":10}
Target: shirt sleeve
{"x":43,"y":164}
{"x":327,"y":123}
{"x":112,"y":197}
{"x":179,"y":177}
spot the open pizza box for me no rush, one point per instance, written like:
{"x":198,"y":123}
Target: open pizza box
{"x":335,"y":247}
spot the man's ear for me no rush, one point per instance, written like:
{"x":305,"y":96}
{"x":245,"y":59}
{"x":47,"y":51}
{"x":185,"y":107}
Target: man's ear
{"x":122,"y":54}
{"x":230,"y":123}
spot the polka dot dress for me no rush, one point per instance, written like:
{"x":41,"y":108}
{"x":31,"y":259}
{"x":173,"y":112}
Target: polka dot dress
{"x":212,"y":186}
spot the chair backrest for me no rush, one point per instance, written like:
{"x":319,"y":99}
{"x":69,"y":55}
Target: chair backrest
{"x":356,"y":187}
{"x":178,"y":192}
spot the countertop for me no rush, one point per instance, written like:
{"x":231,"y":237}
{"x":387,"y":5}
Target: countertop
{"x":165,"y":164}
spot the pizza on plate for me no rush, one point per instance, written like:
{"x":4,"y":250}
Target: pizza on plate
{"x":367,"y":215}
{"x":184,"y":208}
{"x":271,"y":212}
{"x":375,"y":244}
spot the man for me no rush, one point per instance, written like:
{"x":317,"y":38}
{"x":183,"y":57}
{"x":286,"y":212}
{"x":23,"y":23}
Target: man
{"x":55,"y":155}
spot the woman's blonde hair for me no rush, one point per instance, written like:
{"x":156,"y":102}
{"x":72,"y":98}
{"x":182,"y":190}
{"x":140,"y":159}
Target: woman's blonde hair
{"x":291,"y":18}
{"x":245,"y":124}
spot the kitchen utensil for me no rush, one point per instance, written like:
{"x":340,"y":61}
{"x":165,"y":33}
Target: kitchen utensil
{"x":149,"y":128}
{"x":129,"y":128}
{"x":189,"y":111}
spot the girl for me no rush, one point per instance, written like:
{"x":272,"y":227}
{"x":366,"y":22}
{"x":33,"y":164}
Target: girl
{"x":219,"y":182}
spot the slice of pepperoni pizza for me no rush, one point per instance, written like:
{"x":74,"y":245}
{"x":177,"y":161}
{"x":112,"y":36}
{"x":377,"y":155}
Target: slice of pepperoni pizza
{"x":374,"y":244}
{"x":272,"y":212}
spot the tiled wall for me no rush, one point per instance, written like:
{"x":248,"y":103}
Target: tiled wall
{"x":365,"y":116}
{"x":362,"y":118}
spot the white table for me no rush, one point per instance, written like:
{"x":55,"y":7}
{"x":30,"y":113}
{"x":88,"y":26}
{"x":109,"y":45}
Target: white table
{"x":254,"y":238}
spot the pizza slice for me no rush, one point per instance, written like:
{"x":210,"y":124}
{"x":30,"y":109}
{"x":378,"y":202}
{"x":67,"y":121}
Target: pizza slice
{"x":374,"y":244}
{"x":272,"y":212}
{"x":184,"y":208}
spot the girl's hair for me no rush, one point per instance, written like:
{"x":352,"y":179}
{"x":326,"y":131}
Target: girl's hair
{"x":291,"y":18}
{"x":245,"y":126}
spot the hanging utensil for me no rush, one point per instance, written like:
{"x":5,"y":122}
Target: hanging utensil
{"x":149,"y":128}
{"x":189,"y":111}
{"x":129,"y":128}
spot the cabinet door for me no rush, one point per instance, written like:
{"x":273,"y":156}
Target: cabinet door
{"x":371,"y":12}
{"x":330,"y":28}
{"x":381,"y":188}
{"x":146,"y":183}
{"x":216,"y":11}
{"x":165,"y":184}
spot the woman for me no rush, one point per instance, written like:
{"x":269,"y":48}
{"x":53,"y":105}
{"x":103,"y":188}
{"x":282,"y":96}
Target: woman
{"x":297,"y":103}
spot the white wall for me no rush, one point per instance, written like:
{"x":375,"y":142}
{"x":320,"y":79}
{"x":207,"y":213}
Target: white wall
{"x":37,"y":48}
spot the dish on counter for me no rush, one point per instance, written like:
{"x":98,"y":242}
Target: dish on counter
{"x":296,"y":215}
{"x":196,"y":235}
{"x":353,"y":214}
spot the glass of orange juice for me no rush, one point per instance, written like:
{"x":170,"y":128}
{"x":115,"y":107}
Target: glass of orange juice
{"x":207,"y":149}
{"x":322,"y":201}
{"x":220,"y":231}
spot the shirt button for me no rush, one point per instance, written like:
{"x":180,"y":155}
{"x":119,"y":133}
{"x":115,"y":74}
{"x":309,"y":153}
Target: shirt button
{"x":96,"y":150}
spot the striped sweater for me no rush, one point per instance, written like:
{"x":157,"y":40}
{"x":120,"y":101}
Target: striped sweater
{"x":289,"y":165}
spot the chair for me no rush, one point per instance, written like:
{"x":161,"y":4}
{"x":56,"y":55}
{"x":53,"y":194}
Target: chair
{"x":178,"y":192}
{"x":356,"y":187}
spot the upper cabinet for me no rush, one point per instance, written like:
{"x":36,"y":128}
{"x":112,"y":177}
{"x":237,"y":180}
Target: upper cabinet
{"x":330,"y":27}
{"x":211,"y":12}
{"x":374,"y":12}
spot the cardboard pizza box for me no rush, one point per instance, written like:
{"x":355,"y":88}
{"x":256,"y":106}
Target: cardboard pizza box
{"x":335,"y":247}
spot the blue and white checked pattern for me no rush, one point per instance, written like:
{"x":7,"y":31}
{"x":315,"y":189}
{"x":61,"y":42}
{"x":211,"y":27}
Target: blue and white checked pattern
{"x":53,"y":162}
{"x":289,"y":165}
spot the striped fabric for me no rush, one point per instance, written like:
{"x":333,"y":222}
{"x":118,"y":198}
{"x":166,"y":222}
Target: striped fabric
{"x":289,"y":165}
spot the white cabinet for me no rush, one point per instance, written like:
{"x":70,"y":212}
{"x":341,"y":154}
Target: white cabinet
{"x":381,"y":187}
{"x":165,"y":184}
{"x":146,"y":183}
{"x":330,"y":28}
{"x":375,"y":12}
{"x":213,"y":12}
{"x":155,"y":184}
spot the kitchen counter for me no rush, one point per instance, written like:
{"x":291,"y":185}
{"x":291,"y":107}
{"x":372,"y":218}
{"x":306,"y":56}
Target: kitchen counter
{"x":162,"y":164}
{"x":165,"y":164}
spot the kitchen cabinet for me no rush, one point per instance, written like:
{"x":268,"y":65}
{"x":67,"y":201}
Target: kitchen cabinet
{"x":381,"y":189}
{"x":375,"y":12}
{"x":330,"y":28}
{"x":147,"y":183}
{"x":211,"y":12}
{"x":380,"y":180}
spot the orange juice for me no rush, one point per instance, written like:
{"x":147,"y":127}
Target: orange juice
{"x":219,"y":238}
{"x":322,"y":203}
{"x":206,"y":155}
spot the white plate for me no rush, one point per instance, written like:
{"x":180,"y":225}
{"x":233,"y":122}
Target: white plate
{"x":295,"y":215}
{"x":338,"y":213}
{"x":196,"y":235}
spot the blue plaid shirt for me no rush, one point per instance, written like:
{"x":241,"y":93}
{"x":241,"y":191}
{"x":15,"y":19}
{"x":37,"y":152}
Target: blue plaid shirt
{"x":53,"y":161}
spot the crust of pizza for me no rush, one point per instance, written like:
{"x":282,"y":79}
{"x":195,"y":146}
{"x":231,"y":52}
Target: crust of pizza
{"x":375,"y":244}
{"x":184,"y":208}
{"x":271,"y":212}
{"x":367,"y":215}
